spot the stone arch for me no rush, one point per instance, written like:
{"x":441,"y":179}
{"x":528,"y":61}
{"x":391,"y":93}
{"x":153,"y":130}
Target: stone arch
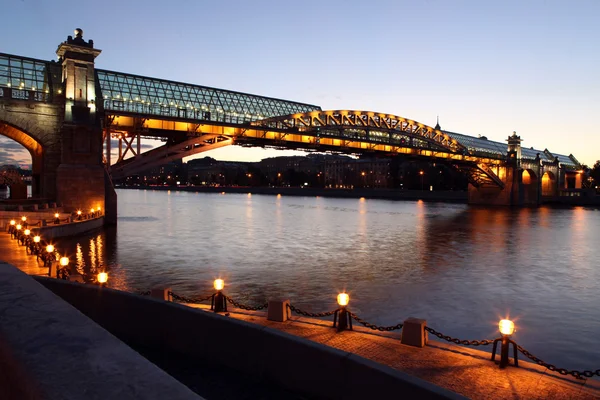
{"x":37,"y":127}
{"x":548,"y":184}
{"x":528,"y":176}
{"x":33,"y":146}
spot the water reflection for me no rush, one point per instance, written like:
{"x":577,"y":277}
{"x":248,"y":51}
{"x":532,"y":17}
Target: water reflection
{"x":462,"y":268}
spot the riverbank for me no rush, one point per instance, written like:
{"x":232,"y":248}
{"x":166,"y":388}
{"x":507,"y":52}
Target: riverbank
{"x":382,"y":194}
{"x":463,"y":370}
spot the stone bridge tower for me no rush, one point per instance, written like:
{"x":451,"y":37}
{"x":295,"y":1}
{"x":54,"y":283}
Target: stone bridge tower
{"x":521,"y":180}
{"x":81,"y":178}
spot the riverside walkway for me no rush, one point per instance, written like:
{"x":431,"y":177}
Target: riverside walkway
{"x":466,"y":371}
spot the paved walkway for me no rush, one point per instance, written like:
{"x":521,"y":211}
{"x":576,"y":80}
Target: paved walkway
{"x":464,"y":370}
{"x":12,"y":253}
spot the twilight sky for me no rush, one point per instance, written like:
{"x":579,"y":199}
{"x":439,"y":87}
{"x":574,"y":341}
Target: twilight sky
{"x":484,"y":67}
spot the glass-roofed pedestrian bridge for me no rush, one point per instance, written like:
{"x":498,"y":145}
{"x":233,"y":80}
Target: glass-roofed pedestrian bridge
{"x":190,"y":119}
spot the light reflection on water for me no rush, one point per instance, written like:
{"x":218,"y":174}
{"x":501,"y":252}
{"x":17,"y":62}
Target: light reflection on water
{"x":462,"y":268}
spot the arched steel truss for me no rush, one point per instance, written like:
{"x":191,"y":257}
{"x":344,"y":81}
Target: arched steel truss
{"x":365,"y":126}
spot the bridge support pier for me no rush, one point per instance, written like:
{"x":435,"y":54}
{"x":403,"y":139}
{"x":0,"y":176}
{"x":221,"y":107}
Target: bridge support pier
{"x":522,"y":181}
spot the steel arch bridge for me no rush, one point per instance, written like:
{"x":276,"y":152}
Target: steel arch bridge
{"x":345,"y":131}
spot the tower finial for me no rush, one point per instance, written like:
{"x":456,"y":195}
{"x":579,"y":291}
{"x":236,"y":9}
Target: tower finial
{"x":437,"y":125}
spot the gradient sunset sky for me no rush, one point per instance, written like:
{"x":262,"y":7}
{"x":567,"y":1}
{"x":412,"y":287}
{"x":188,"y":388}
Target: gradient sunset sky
{"x":485,"y":67}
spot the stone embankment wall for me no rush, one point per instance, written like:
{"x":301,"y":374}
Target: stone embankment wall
{"x":292,"y":362}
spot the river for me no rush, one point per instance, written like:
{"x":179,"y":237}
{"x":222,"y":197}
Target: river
{"x":462,"y":268}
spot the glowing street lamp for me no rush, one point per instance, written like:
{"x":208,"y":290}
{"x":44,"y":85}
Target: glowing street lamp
{"x":102,"y":278}
{"x":56,"y":218}
{"x":218,"y":301}
{"x":79,"y":214}
{"x":341,"y":317}
{"x":12,"y":226}
{"x":34,"y":246}
{"x":219,"y":284}
{"x":506,"y":328}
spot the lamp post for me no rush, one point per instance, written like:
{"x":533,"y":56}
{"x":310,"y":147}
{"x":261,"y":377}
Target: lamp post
{"x":63,"y":272}
{"x":507,"y":328}
{"x":49,"y":257}
{"x":17,"y":232}
{"x":341,"y":317}
{"x":56,"y":218}
{"x":25,"y":237}
{"x":421,"y":173}
{"x":218,"y":302}
{"x":35,"y":246}
{"x":24,"y":221}
{"x":79,"y":215}
{"x":12,"y":226}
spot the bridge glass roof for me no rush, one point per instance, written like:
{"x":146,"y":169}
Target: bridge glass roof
{"x":24,"y":76}
{"x":485,"y":147}
{"x":149,"y":96}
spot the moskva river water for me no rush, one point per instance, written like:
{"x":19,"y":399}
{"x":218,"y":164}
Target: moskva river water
{"x":460,"y":267}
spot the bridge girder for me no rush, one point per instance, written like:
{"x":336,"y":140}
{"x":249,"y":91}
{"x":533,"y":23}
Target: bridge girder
{"x":353,"y":132}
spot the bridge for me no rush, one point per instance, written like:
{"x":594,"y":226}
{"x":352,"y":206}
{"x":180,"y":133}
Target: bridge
{"x":67,"y":113}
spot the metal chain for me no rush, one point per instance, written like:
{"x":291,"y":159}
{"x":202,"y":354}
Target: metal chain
{"x":244,"y":307}
{"x":373,"y":326}
{"x":189,"y":300}
{"x":484,"y":342}
{"x":308,"y":314}
{"x":562,"y":371}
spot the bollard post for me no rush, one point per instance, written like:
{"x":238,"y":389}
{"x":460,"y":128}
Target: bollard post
{"x":413,"y":332}
{"x":52,"y":270}
{"x":161,"y":294}
{"x":278,"y":310}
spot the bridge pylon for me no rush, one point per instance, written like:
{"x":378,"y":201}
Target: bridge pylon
{"x":82,"y":181}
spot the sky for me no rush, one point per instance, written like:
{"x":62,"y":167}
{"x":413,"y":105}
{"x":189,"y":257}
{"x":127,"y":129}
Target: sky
{"x":485,"y":67}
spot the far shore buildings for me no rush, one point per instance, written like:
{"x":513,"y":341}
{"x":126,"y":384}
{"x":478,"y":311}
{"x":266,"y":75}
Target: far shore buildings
{"x":313,"y":170}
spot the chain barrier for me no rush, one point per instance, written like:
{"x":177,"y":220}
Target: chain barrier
{"x":309,"y":314}
{"x":562,"y":371}
{"x":375,"y":327}
{"x":484,"y":342}
{"x":245,"y":307}
{"x":189,"y":300}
